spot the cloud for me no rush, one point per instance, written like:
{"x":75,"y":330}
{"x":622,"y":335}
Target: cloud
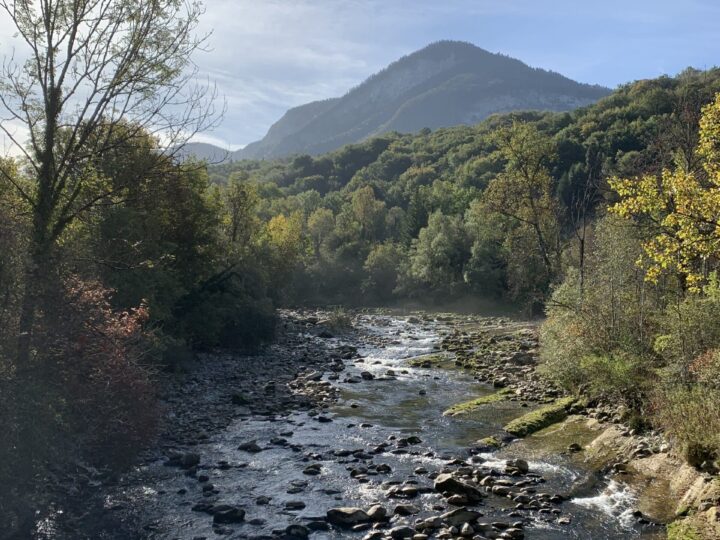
{"x":267,"y":56}
{"x":19,"y":132}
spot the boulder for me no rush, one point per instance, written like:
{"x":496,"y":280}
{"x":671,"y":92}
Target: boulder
{"x":377,"y":513}
{"x":224,"y":513}
{"x":459,"y":516}
{"x":346,"y":516}
{"x":519,"y":465}
{"x":446,"y":483}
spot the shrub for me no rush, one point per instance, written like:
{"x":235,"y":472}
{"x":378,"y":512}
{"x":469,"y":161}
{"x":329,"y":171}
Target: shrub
{"x":85,"y":396}
{"x":339,"y":320}
{"x":691,"y":328}
{"x":598,"y":335}
{"x":690,"y":415}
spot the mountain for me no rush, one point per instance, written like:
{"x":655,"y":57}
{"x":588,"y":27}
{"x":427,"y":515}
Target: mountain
{"x":213,"y":154}
{"x":445,"y":84}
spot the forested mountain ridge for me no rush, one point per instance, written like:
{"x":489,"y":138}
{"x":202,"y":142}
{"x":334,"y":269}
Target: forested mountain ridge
{"x":445,"y":84}
{"x":394,"y":194}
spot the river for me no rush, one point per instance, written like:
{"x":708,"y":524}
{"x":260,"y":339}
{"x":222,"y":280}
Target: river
{"x":358,"y":443}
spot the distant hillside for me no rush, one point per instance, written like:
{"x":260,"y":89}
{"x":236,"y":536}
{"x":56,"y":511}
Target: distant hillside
{"x":209,"y":152}
{"x":445,"y":84}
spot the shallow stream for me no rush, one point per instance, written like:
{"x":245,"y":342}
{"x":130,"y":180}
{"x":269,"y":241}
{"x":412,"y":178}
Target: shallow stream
{"x":369,"y":413}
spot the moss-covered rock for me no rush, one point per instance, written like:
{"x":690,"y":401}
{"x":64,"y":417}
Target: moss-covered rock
{"x":472,"y":405}
{"x":540,"y":418}
{"x":490,"y":442}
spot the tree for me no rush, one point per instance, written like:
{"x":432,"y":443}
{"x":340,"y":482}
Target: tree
{"x":241,"y":201}
{"x":680,"y":210}
{"x":285,"y":243}
{"x":381,"y":266}
{"x":439,"y":253}
{"x":320,"y":225}
{"x":368,"y":212}
{"x":98,"y":73}
{"x":523,"y":191}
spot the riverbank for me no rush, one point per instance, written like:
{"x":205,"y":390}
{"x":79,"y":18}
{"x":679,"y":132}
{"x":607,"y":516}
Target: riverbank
{"x":668,"y":490}
{"x":335,"y":434}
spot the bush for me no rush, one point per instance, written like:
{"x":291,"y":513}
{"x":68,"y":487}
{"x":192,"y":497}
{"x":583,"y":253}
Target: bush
{"x":85,"y":396}
{"x":691,"y":328}
{"x":690,"y":415}
{"x":598,"y":336}
{"x":617,"y":378}
{"x":339,"y":320}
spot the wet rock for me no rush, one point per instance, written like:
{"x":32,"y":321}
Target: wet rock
{"x":346,"y":516}
{"x":458,"y":500}
{"x":519,"y":465}
{"x":294,"y":505}
{"x":262,"y":500}
{"x":460,"y":516}
{"x":326,"y":334}
{"x":401,"y":532}
{"x":296,"y":532}
{"x":238,"y":398}
{"x":501,"y":491}
{"x":406,"y":510}
{"x":224,"y":513}
{"x":186,"y":461}
{"x":313,"y":469}
{"x":205,"y":507}
{"x":251,"y":447}
{"x":367,"y":376}
{"x":574,"y":447}
{"x":377,"y":513}
{"x":446,"y":483}
{"x":318,"y":526}
{"x":466,"y":530}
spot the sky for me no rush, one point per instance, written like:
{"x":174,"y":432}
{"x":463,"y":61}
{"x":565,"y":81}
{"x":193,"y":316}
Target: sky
{"x":267,"y":56}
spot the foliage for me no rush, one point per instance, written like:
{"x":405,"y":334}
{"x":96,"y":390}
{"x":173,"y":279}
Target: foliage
{"x":691,"y":416}
{"x":598,"y":339}
{"x":680,"y":208}
{"x":87,"y":397}
{"x":524,"y":186}
{"x":437,"y":256}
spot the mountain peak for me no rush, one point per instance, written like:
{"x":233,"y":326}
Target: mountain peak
{"x":443,"y":84}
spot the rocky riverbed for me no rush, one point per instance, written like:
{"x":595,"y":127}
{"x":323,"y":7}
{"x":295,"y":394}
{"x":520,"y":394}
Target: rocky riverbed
{"x":340,"y":433}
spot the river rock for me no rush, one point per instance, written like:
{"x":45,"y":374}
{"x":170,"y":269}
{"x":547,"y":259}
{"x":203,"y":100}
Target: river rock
{"x":377,"y":513}
{"x":406,"y":510}
{"x":401,"y":532}
{"x":251,"y":447}
{"x":459,"y":516}
{"x":446,"y":483}
{"x":519,"y":465}
{"x":347,"y":516}
{"x":224,"y":513}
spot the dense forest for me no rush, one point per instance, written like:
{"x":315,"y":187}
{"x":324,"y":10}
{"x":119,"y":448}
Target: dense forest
{"x":603,"y":218}
{"x":119,"y":260}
